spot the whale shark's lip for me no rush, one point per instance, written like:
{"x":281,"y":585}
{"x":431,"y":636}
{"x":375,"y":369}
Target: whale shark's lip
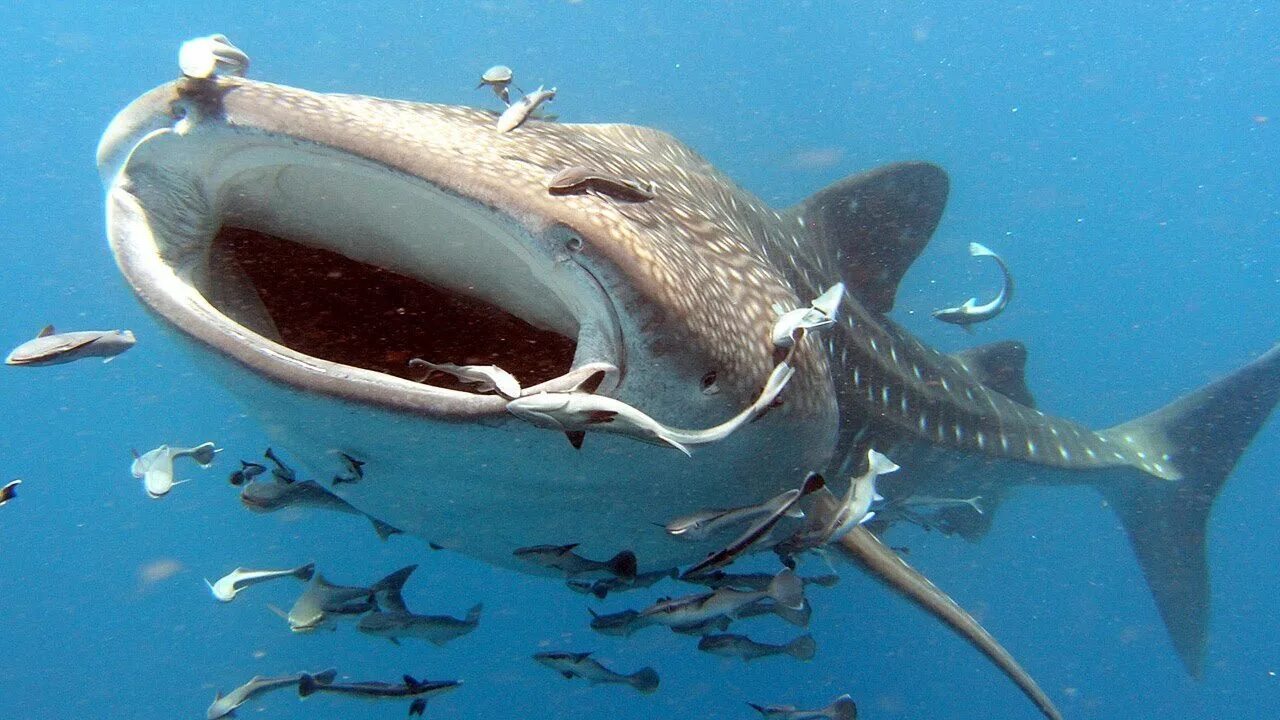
{"x":328,"y":272}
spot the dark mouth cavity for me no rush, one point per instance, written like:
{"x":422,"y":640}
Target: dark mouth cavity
{"x":328,"y":306}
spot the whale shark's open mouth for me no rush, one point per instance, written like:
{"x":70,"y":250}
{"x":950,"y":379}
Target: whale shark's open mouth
{"x":328,"y":306}
{"x":329,"y":272}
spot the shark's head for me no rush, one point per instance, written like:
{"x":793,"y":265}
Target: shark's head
{"x":308,"y":246}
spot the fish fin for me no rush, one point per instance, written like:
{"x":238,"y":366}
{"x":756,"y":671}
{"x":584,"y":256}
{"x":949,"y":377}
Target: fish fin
{"x":759,"y":708}
{"x":383,"y":529}
{"x":305,"y":572}
{"x":435,"y":546}
{"x":590,"y":384}
{"x":802,"y":648}
{"x":645,"y":680}
{"x":307,"y":685}
{"x":325,"y":677}
{"x":576,"y":437}
{"x":864,"y":547}
{"x":677,"y":445}
{"x":787,"y":590}
{"x":566,"y":674}
{"x":797,"y":617}
{"x":394,"y":582}
{"x":46,"y":331}
{"x":277,"y":611}
{"x":473,"y":615}
{"x":409,"y":681}
{"x":394,"y":641}
{"x":844,"y":708}
{"x":879,"y":222}
{"x":1000,"y":366}
{"x":1193,"y":443}
{"x":813,"y":483}
{"x":623,"y":565}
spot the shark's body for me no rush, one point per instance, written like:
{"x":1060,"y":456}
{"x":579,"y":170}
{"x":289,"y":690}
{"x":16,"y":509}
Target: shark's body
{"x":234,"y":206}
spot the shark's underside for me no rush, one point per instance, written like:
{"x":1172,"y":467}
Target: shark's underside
{"x":309,"y":245}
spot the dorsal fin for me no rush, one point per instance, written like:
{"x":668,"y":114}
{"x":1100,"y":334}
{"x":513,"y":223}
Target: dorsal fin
{"x":878,"y":222}
{"x":1002,"y":367}
{"x":46,"y":331}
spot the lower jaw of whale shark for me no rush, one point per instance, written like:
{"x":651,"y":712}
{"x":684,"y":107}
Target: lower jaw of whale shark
{"x":308,"y":280}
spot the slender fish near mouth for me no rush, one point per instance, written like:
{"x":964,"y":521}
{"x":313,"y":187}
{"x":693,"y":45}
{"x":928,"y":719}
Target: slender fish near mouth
{"x":971,"y":312}
{"x":50,"y":347}
{"x":225,"y":705}
{"x":231,"y":584}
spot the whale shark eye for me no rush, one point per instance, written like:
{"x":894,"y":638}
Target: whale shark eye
{"x":709,"y":386}
{"x":573,"y":244}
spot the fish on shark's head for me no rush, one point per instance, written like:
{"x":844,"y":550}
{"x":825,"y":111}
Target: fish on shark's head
{"x":309,"y":245}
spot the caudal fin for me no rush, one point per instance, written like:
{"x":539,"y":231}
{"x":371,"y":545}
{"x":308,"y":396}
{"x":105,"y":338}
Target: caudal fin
{"x":623,"y":565}
{"x":645,"y":680}
{"x":844,"y":708}
{"x":1194,"y":442}
{"x":802,"y":648}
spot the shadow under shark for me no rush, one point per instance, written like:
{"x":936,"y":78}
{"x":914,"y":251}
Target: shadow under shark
{"x":308,"y":245}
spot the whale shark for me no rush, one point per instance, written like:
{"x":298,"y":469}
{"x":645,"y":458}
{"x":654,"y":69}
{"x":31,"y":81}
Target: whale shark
{"x":307,"y":245}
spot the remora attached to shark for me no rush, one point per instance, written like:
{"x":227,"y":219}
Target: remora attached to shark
{"x":308,"y":245}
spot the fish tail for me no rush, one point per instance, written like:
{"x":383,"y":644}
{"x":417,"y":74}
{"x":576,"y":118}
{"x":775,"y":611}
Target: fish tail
{"x":844,"y":708}
{"x":645,"y":680}
{"x":383,"y":529}
{"x":473,"y":615}
{"x":623,"y":565}
{"x":802,"y":648}
{"x":1190,"y":447}
{"x":305,"y":572}
{"x":394,"y":582}
{"x":787,"y":590}
{"x":307,"y":685}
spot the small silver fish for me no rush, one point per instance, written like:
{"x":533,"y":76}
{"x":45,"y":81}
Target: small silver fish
{"x":230,"y":585}
{"x":265,"y":497}
{"x":577,"y":180}
{"x":499,"y":79}
{"x":741,"y":646}
{"x":211,"y":56}
{"x":573,"y":413}
{"x":377,"y":690}
{"x":855,"y":508}
{"x":620,"y":624}
{"x":9,"y":491}
{"x":702,"y":525}
{"x":755,"y":581}
{"x":971,"y":312}
{"x":397,"y":623}
{"x":564,"y":559}
{"x":785,"y":589}
{"x":843,"y":708}
{"x":602,"y":587}
{"x":582,"y":665}
{"x":486,"y":378}
{"x":821,"y":313}
{"x":759,"y":530}
{"x":927,"y":500}
{"x":155,"y":467}
{"x":50,"y":347}
{"x":519,"y":111}
{"x":225,"y":705}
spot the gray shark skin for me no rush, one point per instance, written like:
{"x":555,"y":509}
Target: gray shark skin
{"x":237,"y":210}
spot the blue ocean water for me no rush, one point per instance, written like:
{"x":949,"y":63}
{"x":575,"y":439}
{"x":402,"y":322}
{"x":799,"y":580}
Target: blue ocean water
{"x":1123,"y":160}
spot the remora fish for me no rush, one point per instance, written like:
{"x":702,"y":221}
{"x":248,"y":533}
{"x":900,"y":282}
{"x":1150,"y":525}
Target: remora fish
{"x":230,"y":585}
{"x":50,"y":347}
{"x":699,"y":526}
{"x":971,"y":312}
{"x":842,"y":708}
{"x":582,"y":665}
{"x":155,"y":467}
{"x":785,"y":589}
{"x":487,"y":378}
{"x":376,"y":689}
{"x":271,"y":496}
{"x":741,"y":646}
{"x":210,"y":188}
{"x":397,"y":622}
{"x":573,"y":565}
{"x":602,"y":587}
{"x":225,"y":705}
